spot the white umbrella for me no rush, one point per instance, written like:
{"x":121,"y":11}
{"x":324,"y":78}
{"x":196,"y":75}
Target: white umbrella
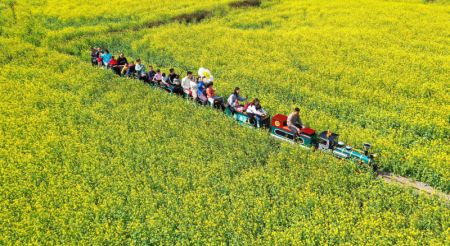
{"x":204,"y":72}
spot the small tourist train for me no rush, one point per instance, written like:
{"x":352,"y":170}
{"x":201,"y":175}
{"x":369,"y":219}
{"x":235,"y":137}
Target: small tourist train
{"x":306,"y":137}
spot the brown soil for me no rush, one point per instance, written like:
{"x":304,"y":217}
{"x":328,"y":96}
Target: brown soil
{"x":245,"y":4}
{"x":419,"y":186}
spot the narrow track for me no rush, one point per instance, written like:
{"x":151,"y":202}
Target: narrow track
{"x":418,"y":186}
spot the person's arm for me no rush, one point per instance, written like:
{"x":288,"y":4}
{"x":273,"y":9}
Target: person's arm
{"x":263,"y":112}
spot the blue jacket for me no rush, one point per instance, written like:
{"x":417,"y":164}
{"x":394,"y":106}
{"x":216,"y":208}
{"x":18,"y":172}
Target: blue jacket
{"x":106,"y":57}
{"x":201,"y":88}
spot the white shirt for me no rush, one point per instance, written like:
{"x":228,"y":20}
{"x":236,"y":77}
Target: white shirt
{"x":193,"y":86}
{"x":252,"y":110}
{"x":186,"y":83}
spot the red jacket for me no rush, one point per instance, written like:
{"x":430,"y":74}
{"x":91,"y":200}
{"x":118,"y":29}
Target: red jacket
{"x":113,"y":62}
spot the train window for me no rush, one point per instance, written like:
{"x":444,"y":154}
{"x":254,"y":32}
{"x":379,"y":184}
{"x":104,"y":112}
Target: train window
{"x":324,"y":142}
{"x":280,"y":133}
{"x":284,"y":134}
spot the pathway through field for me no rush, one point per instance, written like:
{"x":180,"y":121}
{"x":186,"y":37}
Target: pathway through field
{"x":419,"y":186}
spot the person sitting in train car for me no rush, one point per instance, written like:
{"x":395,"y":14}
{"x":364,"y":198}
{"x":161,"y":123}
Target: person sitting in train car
{"x":158,"y":77}
{"x":95,"y":58}
{"x":172,"y":75}
{"x":128,"y":70}
{"x":255,"y":111}
{"x":112,"y":62}
{"x":99,"y":50}
{"x":201,"y":90}
{"x":176,"y":85}
{"x":140,"y":70}
{"x":294,"y":122}
{"x":106,"y":58}
{"x":94,"y":55}
{"x":234,"y":99}
{"x":211,"y":94}
{"x":121,"y":61}
{"x":113,"y":65}
{"x":201,"y":87}
{"x":165,"y":80}
{"x":99,"y":59}
{"x":125,"y":69}
{"x":151,"y":73}
{"x":194,"y":88}
{"x":186,"y":83}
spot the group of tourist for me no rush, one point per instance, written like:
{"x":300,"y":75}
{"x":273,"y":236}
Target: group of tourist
{"x":200,"y":88}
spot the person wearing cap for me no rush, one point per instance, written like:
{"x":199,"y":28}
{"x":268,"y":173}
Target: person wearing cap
{"x":294,"y":122}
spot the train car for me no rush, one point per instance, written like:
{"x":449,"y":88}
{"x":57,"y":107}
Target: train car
{"x":280,"y":130}
{"x":244,"y":119}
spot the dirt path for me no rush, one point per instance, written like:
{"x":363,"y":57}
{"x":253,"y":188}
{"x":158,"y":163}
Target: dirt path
{"x":419,"y":186}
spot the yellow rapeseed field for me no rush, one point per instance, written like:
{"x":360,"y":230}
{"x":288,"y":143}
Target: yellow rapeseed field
{"x":89,"y":158}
